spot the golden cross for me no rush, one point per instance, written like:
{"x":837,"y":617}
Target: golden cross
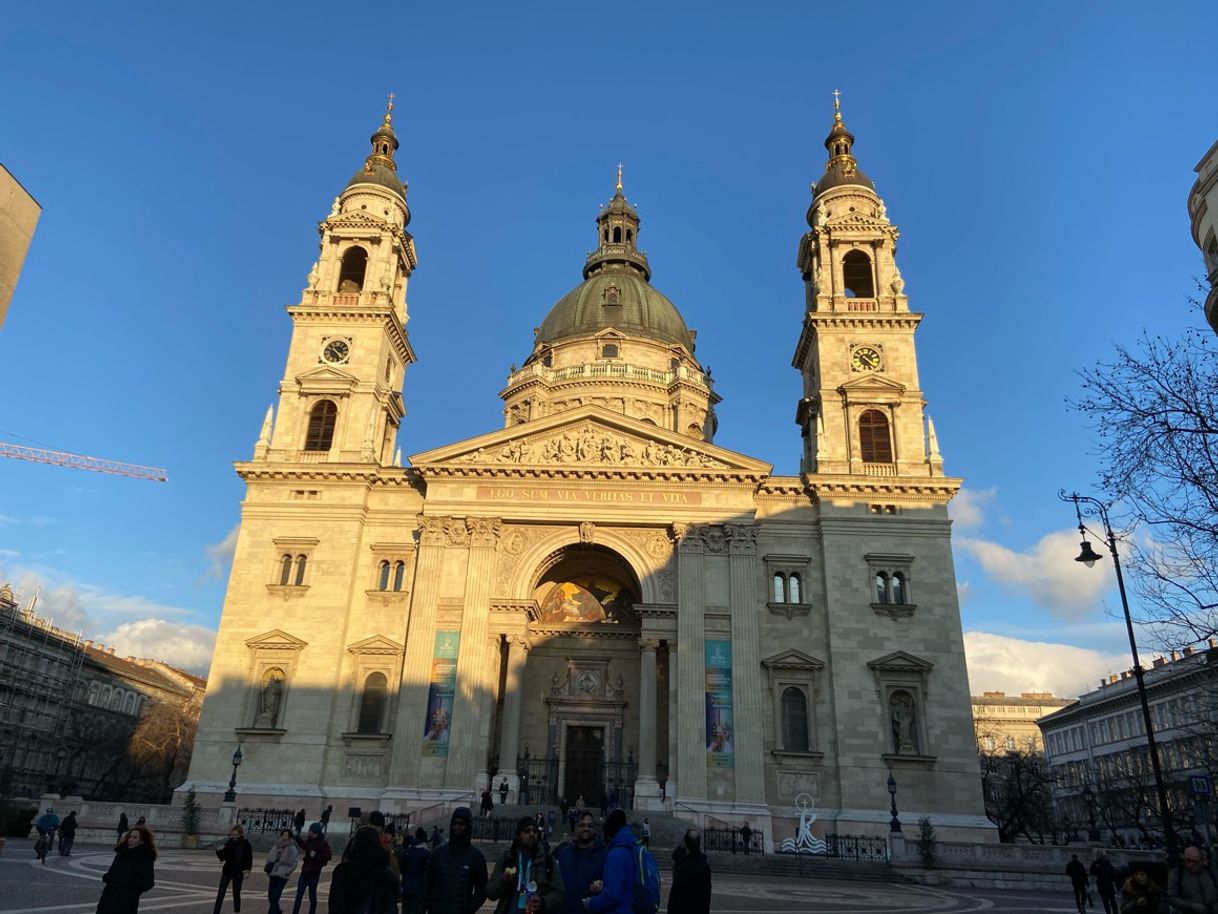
{"x":837,"y":105}
{"x":389,"y":109}
{"x":391,"y":98}
{"x":619,"y":177}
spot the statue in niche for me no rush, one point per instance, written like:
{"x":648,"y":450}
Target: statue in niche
{"x":313,"y":275}
{"x":270,"y":699}
{"x":904,"y":723}
{"x":334,"y":207}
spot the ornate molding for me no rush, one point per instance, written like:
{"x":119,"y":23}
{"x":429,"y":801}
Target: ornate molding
{"x":483,"y":531}
{"x":742,"y":538}
{"x":587,"y":530}
{"x":894,"y":610}
{"x":590,"y":446}
{"x":649,"y":644}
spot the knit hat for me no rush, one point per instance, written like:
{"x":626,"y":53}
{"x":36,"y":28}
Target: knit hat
{"x":525,"y":822}
{"x":316,"y":829}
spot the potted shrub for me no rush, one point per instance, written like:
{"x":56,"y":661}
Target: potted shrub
{"x":190,"y":820}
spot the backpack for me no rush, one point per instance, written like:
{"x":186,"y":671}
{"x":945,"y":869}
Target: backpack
{"x":646,"y":897}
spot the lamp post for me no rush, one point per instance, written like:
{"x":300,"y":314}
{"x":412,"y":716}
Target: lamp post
{"x":1088,"y":556}
{"x":230,"y":795}
{"x":895,"y":825}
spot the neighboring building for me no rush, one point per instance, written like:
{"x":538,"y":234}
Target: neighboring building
{"x":596,"y":599}
{"x":68,"y":708}
{"x":19,"y":214}
{"x":1203,"y":211}
{"x":1099,"y":742}
{"x":1006,"y":723}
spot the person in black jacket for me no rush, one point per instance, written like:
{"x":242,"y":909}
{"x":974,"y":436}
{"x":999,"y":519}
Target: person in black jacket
{"x":691,"y":877}
{"x":130,"y":875}
{"x":412,"y":863}
{"x":67,"y":834}
{"x":237,"y":856}
{"x":364,"y":881}
{"x":455,"y":879}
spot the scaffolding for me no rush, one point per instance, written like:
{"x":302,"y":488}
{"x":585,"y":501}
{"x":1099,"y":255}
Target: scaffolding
{"x":40,"y":666}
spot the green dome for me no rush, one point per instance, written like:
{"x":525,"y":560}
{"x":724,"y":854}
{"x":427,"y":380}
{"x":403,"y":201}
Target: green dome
{"x":376,"y":173}
{"x":642,"y":311}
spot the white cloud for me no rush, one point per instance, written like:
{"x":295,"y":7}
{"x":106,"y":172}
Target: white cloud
{"x":221,"y":554}
{"x":178,"y":644}
{"x":1047,"y":573}
{"x":967,"y":509}
{"x":1012,"y":665}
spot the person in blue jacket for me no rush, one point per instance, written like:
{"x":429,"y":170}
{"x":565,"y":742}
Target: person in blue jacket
{"x":621,"y":869}
{"x":581,"y":862}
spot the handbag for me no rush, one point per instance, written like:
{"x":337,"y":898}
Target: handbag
{"x":268,"y":867}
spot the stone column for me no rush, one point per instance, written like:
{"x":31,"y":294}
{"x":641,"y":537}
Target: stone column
{"x":466,"y":753}
{"x":509,"y":739}
{"x":670,"y":788}
{"x":746,"y":663}
{"x":416,"y":665}
{"x":646,"y":787}
{"x":691,"y":634}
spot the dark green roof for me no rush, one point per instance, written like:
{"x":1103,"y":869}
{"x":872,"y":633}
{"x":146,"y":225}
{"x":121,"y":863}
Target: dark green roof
{"x":838,"y":175}
{"x":376,"y":173}
{"x":642,"y":312}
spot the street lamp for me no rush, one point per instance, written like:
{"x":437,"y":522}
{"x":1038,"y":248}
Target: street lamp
{"x":230,"y":795}
{"x":895,"y":825}
{"x":1093,"y":833}
{"x":1088,"y":556}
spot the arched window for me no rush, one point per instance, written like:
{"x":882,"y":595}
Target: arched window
{"x":793,"y":590}
{"x":116,"y":700}
{"x":129,"y":704}
{"x":285,"y":570}
{"x":372,"y":703}
{"x":612,"y":295}
{"x":856,"y":275}
{"x":606,"y":236}
{"x":351,"y":272}
{"x":617,"y":234}
{"x":383,"y":580}
{"x":629,"y":235}
{"x":898,"y":588}
{"x":794,"y":720}
{"x":322,"y":418}
{"x":399,"y":575}
{"x":780,"y":589}
{"x":300,"y":570}
{"x":881,"y":588}
{"x":94,"y":692}
{"x":874,"y":443}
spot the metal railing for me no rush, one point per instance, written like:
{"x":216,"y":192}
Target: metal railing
{"x":731,"y":841}
{"x":261,"y":819}
{"x":863,"y":848}
{"x":609,"y":369}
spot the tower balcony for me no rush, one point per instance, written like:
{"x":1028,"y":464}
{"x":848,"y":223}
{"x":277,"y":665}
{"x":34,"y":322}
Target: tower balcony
{"x":592,"y":371}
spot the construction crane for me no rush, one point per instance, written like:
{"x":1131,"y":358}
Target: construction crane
{"x":80,"y":462}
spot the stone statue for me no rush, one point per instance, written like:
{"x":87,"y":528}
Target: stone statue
{"x":904,"y":737}
{"x":334,"y":207}
{"x":314,"y":275}
{"x":387,"y":278}
{"x":882,"y":211}
{"x":898,"y":282}
{"x":269,"y":700}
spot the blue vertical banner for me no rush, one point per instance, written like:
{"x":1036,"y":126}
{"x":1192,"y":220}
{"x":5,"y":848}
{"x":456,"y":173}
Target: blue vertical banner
{"x":440,"y":695}
{"x":720,"y":731}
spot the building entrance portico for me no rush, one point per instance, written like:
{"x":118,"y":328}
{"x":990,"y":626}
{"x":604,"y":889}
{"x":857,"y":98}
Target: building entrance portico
{"x":583,"y":770}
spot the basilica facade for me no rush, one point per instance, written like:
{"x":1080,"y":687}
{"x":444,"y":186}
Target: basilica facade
{"x":596,"y":600}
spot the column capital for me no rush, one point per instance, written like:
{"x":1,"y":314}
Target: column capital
{"x":442,"y":531}
{"x":649,"y":645}
{"x":742,"y":538}
{"x":519,"y":640}
{"x":687,"y":538}
{"x":484,"y":531}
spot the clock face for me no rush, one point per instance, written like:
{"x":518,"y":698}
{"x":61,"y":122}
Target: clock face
{"x":336,"y":351}
{"x":864,"y":358}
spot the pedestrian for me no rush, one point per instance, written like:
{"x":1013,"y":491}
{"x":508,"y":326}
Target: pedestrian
{"x":1078,"y":881}
{"x":746,"y":837}
{"x":691,"y":877}
{"x":582,"y":862}
{"x":325,"y":818}
{"x":1105,"y":876}
{"x":123,"y":827}
{"x":298,"y":821}
{"x":412,"y":863}
{"x":526,"y":878}
{"x":236,"y":857}
{"x":130,"y":875}
{"x":437,"y":837}
{"x":67,"y":834}
{"x":1190,"y":888}
{"x":1140,"y":895}
{"x":454,"y":881}
{"x":376,"y":819}
{"x":646,"y":832}
{"x":363,"y":883}
{"x":572,"y":820}
{"x":47,"y":825}
{"x":141,"y":822}
{"x":280,"y":864}
{"x":551,"y":821}
{"x":580,"y":805}
{"x":314,"y":855}
{"x":564,"y":807}
{"x":488,"y":803}
{"x":503,"y":792}
{"x":621,"y":869}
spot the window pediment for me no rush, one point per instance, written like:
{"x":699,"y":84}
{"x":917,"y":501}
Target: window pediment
{"x":326,"y":379}
{"x":872,"y":382}
{"x":900,"y":662}
{"x":793,"y":660}
{"x":376,"y":645}
{"x":276,"y":640}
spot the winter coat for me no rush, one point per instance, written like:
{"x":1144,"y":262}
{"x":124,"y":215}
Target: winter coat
{"x":1105,"y":876}
{"x":691,"y":884}
{"x":412,"y":861}
{"x":542,"y":869}
{"x":1077,"y":872}
{"x":129,"y":876}
{"x":67,"y":827}
{"x":237,"y":855}
{"x":454,"y":881}
{"x":1132,"y":895}
{"x":1192,"y":892}
{"x":283,"y":859}
{"x":364,"y":878}
{"x":621,"y":872}
{"x":580,"y":866}
{"x":47,"y":822}
{"x":314,"y":854}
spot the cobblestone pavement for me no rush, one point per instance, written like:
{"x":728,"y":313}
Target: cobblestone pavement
{"x":186,"y":883}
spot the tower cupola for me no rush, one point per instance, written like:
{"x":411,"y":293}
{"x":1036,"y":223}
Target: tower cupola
{"x":617,"y":233}
{"x":842,"y":168}
{"x":380,"y":167}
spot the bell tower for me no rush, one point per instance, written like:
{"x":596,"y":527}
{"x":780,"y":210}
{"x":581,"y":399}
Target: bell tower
{"x":340,"y":399}
{"x":861,"y":412}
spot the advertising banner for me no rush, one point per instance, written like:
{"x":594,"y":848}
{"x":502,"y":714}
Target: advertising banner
{"x":720,"y":731}
{"x":440,"y":695}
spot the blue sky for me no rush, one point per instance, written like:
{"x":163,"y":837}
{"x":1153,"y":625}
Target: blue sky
{"x":1037,"y":157}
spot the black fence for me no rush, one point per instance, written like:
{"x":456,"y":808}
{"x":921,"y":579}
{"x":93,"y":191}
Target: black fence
{"x":394,"y":822}
{"x":731,"y":841}
{"x":261,"y":820}
{"x":864,"y":848}
{"x":538,"y":780}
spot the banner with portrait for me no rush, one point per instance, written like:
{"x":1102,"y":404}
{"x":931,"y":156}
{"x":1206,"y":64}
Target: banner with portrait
{"x":720,"y":731}
{"x":440,"y":695}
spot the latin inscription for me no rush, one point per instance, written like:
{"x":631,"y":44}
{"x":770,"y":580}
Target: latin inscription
{"x":554,"y":495}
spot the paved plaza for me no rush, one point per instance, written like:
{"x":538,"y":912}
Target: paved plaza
{"x":186,"y":883}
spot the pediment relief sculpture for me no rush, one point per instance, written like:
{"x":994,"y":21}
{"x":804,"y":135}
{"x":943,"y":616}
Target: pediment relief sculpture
{"x":592,"y":446}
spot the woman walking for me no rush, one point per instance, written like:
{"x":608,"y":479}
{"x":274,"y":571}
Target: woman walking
{"x":280,"y":864}
{"x":130,"y":875}
{"x":237,"y":859}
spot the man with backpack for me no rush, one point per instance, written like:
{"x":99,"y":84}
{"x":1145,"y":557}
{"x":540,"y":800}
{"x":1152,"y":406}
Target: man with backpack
{"x":631,"y":881}
{"x":526,"y":877}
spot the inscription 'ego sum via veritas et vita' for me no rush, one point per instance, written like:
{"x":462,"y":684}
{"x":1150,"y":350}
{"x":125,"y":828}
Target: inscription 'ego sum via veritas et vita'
{"x":555,"y":495}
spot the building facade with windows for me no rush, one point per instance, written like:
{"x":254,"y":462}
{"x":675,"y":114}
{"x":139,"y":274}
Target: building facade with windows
{"x":1007,"y":723}
{"x":596,"y":599}
{"x":1203,"y":214}
{"x":1097,"y":751}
